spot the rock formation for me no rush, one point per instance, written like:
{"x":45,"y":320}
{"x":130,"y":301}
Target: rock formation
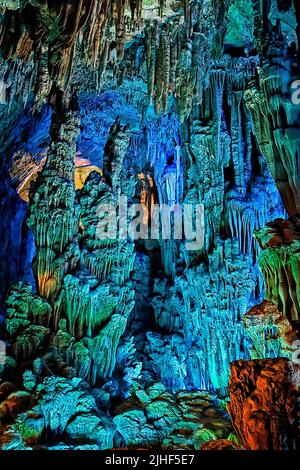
{"x":263,"y":404}
{"x":122,"y":328}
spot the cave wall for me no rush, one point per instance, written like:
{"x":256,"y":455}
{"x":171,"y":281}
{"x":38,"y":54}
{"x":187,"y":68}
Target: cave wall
{"x":172,"y":103}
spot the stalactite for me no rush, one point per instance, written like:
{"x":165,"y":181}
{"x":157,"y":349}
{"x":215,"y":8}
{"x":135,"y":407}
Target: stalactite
{"x":104,"y":348}
{"x":152,"y":38}
{"x":210,"y":154}
{"x":274,"y":118}
{"x":236,"y":139}
{"x":58,"y":30}
{"x":280,"y":267}
{"x":86,"y":305}
{"x":25,"y":308}
{"x":17,"y":80}
{"x":163,"y":71}
{"x":198,"y":307}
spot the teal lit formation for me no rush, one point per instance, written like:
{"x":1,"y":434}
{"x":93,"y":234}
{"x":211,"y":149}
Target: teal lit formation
{"x":144,"y":343}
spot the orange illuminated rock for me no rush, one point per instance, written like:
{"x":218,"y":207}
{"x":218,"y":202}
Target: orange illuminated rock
{"x":26,"y":168}
{"x":220,"y":444}
{"x":263,"y":400}
{"x":82,"y":172}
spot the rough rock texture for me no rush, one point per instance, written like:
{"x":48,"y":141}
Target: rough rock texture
{"x":63,"y":411}
{"x":185,"y":420}
{"x":52,"y":215}
{"x":220,"y":444}
{"x":156,"y":103}
{"x":263,"y":403}
{"x":271,"y":333}
{"x":279,"y":263}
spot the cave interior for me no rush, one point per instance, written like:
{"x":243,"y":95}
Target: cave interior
{"x":143,"y":341}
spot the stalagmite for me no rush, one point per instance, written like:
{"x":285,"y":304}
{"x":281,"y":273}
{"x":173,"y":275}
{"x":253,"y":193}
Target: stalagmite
{"x":127,"y":128}
{"x":52,"y":213}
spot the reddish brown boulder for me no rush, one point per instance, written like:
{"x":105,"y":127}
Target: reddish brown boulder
{"x":220,"y":444}
{"x":15,"y":403}
{"x":263,"y":403}
{"x":278,"y":233}
{"x":6,"y":388}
